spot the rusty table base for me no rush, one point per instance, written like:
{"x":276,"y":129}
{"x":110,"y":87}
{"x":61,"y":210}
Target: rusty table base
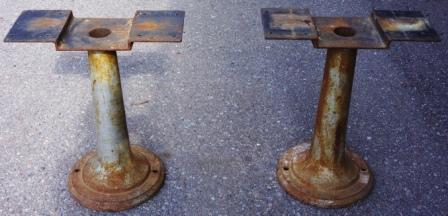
{"x":121,"y":189}
{"x":304,"y":190}
{"x":327,"y":174}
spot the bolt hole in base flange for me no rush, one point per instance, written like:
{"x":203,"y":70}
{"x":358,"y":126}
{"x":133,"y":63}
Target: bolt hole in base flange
{"x":309,"y":190}
{"x":100,"y":32}
{"x":345,"y":31}
{"x":109,"y":198}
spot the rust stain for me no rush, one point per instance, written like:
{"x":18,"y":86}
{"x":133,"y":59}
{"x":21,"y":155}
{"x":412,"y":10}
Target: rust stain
{"x":79,"y":36}
{"x":93,"y":85}
{"x":151,"y":25}
{"x":116,"y":186}
{"x":329,"y":25}
{"x":119,"y":176}
{"x":323,"y":172}
{"x":337,"y":23}
{"x":402,"y":24}
{"x":45,"y":23}
{"x":103,"y":64}
{"x":289,"y":21}
{"x":319,"y":184}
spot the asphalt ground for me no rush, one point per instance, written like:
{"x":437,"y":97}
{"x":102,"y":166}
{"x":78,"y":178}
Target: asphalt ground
{"x":221,"y":107}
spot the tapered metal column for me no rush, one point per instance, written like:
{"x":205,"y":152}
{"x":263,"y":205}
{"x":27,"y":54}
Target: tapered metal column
{"x":326,"y":174}
{"x":116,"y":176}
{"x":112,"y":132}
{"x":328,"y":143}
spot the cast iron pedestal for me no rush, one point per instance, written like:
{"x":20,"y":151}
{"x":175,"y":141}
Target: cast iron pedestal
{"x":324,"y":172}
{"x":117,"y":175}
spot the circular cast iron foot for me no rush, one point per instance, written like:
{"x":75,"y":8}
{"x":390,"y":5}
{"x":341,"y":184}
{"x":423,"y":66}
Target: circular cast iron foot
{"x":304,"y":191}
{"x":151,"y":175}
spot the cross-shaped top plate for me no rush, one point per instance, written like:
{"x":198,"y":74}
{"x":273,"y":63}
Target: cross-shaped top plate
{"x":375,"y":32}
{"x":82,"y":34}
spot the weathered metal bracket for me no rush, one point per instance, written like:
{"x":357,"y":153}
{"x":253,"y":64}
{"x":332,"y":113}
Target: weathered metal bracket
{"x":96,"y":34}
{"x":323,"y":172}
{"x":117,"y":175}
{"x":374,"y":32}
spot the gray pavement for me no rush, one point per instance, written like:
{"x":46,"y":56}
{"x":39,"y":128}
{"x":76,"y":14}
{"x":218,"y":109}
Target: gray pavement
{"x":221,"y":107}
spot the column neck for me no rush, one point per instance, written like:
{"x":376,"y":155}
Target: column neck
{"x":112,"y":132}
{"x":328,"y":143}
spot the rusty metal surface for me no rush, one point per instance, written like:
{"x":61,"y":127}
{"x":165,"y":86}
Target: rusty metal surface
{"x":375,"y":32}
{"x":328,"y":142}
{"x":90,"y":34}
{"x":39,"y":26}
{"x":405,"y":26}
{"x":347,"y":32}
{"x":307,"y":188}
{"x":326,"y":174}
{"x":116,"y":193}
{"x":293,"y":24}
{"x":115,"y":176}
{"x":111,"y":128}
{"x":96,"y":34}
{"x":111,"y":178}
{"x":157,"y":26}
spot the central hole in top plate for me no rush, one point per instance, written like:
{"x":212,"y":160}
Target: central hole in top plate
{"x":345,"y":31}
{"x":99,"y":32}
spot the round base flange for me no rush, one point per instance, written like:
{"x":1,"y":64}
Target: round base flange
{"x":301,"y":190}
{"x":98,"y":200}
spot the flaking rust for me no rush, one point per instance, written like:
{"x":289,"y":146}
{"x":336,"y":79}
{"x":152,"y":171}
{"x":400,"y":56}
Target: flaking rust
{"x":116,"y":175}
{"x":323,"y":172}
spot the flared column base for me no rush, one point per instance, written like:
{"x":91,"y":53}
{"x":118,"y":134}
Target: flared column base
{"x":116,"y":199}
{"x":303,"y":189}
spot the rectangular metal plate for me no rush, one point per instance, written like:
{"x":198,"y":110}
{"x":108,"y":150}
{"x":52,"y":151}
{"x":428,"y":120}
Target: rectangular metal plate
{"x":347,"y":32}
{"x":404,"y":26}
{"x":157,"y":26}
{"x":39,"y":26}
{"x":293,"y":24}
{"x":100,"y":34}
